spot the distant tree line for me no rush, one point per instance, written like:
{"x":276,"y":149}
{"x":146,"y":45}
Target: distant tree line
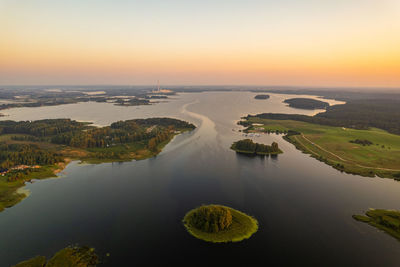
{"x":41,"y":128}
{"x":356,"y":114}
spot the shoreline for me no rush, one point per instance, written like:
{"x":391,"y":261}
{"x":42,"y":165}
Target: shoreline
{"x":17,"y":193}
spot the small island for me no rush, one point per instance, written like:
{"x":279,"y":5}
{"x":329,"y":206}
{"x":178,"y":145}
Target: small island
{"x":247,"y":146}
{"x":69,"y":256}
{"x":261,"y":97}
{"x":219,"y":224}
{"x":385,"y":220}
{"x":306,"y":103}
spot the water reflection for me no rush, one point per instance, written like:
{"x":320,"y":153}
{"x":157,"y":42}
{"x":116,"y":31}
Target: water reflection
{"x":133,"y":210}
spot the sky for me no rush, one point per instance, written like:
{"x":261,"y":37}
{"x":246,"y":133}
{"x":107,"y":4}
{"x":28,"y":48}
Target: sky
{"x":331,"y":43}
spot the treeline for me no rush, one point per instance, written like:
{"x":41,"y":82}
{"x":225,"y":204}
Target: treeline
{"x":364,"y":142}
{"x":248,"y":146}
{"x":356,"y":114}
{"x":23,"y":154}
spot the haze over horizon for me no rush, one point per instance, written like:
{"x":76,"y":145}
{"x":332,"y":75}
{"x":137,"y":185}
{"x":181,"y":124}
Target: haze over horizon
{"x":286,"y":43}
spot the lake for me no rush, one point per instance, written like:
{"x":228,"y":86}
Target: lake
{"x":133,"y":210}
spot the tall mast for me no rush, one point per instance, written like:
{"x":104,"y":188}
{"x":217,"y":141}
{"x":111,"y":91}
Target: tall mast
{"x":158,"y":85}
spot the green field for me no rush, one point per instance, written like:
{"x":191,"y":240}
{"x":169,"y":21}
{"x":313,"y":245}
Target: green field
{"x":386,"y":220}
{"x":243,"y":227}
{"x":332,"y":145}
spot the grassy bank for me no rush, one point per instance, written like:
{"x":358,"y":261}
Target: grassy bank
{"x":9,"y":195}
{"x":385,"y":220}
{"x":242,"y":227}
{"x":333,"y":146}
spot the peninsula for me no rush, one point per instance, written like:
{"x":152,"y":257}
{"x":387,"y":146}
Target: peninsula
{"x":218,"y":224}
{"x":366,"y":152}
{"x":40,"y":149}
{"x":385,"y":220}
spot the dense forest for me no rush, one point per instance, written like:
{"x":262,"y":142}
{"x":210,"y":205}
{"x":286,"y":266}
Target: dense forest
{"x":249,"y":147}
{"x":357,"y":114}
{"x":16,"y":154}
{"x":212,"y":218}
{"x":306,"y":103}
{"x":22,"y":147}
{"x":153,"y":131}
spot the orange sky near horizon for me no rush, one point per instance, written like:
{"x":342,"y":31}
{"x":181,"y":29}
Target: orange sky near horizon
{"x":347,"y":46}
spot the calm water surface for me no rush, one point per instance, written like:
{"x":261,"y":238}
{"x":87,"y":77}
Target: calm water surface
{"x":133,"y":210}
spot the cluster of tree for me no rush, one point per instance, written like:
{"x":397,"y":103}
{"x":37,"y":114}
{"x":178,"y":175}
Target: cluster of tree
{"x":247,"y":145}
{"x":356,"y":114}
{"x":364,"y":142}
{"x":15,"y":175}
{"x":306,"y":103}
{"x":159,"y":138}
{"x":211,"y":219}
{"x":23,"y":154}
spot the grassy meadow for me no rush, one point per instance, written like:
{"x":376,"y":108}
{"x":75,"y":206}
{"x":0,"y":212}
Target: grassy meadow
{"x":332,"y":145}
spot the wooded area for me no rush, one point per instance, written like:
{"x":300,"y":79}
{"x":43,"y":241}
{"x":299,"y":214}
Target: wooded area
{"x":356,"y":114}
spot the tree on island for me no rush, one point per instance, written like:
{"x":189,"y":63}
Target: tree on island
{"x":248,"y":146}
{"x":212,"y":219}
